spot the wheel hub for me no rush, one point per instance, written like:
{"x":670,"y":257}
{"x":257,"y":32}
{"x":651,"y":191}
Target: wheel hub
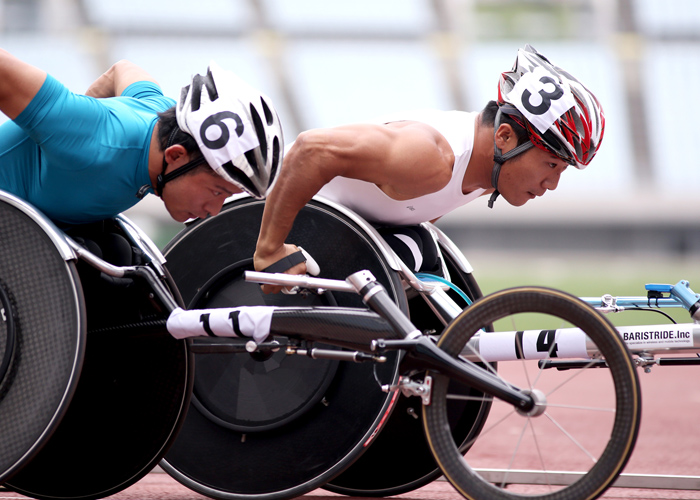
{"x":540,"y":403}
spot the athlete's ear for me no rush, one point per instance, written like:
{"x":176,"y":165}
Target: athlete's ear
{"x":175,"y":152}
{"x":505,"y":137}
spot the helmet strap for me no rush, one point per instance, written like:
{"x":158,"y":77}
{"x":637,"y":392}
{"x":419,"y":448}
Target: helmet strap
{"x":499,"y":158}
{"x":161,"y":180}
{"x":164,"y":178}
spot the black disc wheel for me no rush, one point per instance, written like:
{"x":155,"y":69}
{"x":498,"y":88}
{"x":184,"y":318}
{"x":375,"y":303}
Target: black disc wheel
{"x":403,"y":434}
{"x":275,"y":426}
{"x":582,"y":378}
{"x":130,"y":399}
{"x":42,"y":337}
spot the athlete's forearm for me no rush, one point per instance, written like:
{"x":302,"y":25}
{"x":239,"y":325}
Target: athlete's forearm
{"x":103,"y":86}
{"x":276,"y":225}
{"x":278,"y":219}
{"x":303,"y":175}
{"x":287,"y":199}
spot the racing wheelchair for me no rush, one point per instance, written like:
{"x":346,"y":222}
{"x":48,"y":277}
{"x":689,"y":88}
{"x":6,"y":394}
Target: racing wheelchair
{"x":256,"y":420}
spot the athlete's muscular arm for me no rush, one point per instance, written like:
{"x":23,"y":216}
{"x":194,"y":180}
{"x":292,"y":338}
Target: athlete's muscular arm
{"x":116,"y":79}
{"x":19,"y":83}
{"x":405,"y":159}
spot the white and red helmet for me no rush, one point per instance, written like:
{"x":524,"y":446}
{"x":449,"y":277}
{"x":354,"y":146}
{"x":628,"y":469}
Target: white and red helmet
{"x":560,"y":114}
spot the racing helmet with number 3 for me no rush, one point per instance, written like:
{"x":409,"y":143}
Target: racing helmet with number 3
{"x":560,"y":115}
{"x":236,"y":128}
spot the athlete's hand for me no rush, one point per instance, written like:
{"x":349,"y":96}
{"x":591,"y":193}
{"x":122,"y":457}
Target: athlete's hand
{"x":117,"y":78}
{"x":263,"y":261}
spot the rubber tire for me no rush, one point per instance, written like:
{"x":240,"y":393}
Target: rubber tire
{"x":627,"y":403}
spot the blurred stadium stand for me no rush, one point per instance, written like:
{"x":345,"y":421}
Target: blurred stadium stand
{"x":326,"y":63}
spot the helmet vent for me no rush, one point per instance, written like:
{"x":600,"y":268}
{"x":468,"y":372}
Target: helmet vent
{"x":199,"y":81}
{"x":240,"y":178}
{"x":253,"y":158}
{"x":260,"y":130}
{"x":269,"y":118}
{"x":275,"y":157}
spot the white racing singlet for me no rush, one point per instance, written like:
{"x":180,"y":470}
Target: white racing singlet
{"x":373,"y":204}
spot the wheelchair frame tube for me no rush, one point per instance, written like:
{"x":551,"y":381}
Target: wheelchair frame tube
{"x":679,"y":295}
{"x":572,"y":343}
{"x":143,"y":272}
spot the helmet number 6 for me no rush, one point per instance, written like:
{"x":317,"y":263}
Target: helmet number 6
{"x":217,"y":120}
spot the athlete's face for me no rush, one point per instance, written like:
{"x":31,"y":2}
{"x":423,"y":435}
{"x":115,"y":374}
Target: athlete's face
{"x":196,"y":195}
{"x":528,"y":175}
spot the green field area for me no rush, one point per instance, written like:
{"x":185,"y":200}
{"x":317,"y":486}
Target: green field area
{"x":590,"y":276}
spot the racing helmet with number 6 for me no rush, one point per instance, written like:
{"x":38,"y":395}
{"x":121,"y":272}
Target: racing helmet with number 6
{"x":559,"y":114}
{"x":236,"y":128}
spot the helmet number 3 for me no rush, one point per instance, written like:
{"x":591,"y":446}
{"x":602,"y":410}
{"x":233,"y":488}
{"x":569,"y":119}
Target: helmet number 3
{"x":546,"y":96}
{"x":541,"y":98}
{"x":217,"y":120}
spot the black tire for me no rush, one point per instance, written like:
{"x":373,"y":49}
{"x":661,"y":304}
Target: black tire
{"x":271,"y":446}
{"x":403,"y":434}
{"x":600,"y":431}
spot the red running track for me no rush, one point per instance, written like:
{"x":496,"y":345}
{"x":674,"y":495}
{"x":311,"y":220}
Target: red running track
{"x":668,"y":444}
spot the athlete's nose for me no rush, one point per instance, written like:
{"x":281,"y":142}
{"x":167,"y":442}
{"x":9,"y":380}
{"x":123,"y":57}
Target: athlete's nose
{"x":551,"y":181}
{"x":213,"y":207}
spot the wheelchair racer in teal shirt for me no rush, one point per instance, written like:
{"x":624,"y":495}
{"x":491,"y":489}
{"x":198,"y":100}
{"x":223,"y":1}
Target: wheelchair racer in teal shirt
{"x":85,"y":158}
{"x":80,"y":159}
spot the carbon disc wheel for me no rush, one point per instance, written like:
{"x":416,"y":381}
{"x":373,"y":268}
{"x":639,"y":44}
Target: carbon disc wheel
{"x":42,"y":338}
{"x":127,"y":404}
{"x":304,"y":419}
{"x":403,"y":435}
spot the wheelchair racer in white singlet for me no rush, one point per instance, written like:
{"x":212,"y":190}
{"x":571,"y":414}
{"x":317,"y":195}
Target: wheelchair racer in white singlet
{"x":415,"y":167}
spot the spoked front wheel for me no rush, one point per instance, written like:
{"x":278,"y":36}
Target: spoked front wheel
{"x":581,"y":432}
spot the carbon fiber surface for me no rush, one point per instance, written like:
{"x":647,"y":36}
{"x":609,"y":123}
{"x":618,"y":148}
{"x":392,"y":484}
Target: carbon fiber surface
{"x":129,"y":403}
{"x":270,"y":390}
{"x":352,"y":328}
{"x":403,"y":434}
{"x":335,"y":407}
{"x":50,"y":338}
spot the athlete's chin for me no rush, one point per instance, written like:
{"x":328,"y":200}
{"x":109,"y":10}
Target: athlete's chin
{"x":179,"y":216}
{"x":517,"y":202}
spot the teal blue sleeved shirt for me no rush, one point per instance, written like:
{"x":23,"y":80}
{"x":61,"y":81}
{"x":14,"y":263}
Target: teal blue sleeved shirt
{"x":79,"y":159}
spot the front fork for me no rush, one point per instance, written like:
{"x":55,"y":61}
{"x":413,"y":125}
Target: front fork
{"x":426,"y":353}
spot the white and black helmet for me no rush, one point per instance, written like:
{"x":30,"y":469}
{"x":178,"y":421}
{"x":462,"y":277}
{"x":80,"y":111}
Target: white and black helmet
{"x":236,"y":128}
